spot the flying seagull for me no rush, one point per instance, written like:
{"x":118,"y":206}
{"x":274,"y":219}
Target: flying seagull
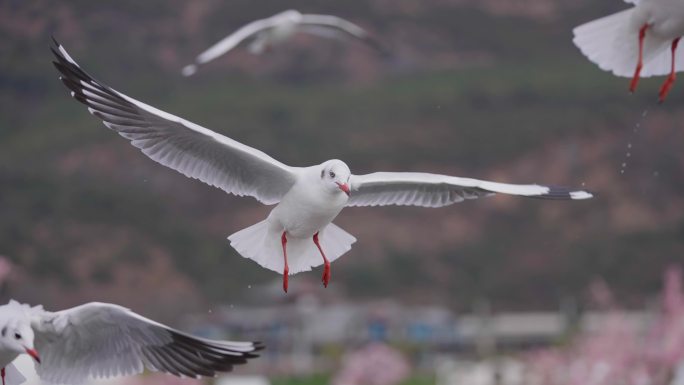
{"x":100,"y":340}
{"x":265,"y":33}
{"x":298,"y":234}
{"x":634,"y":42}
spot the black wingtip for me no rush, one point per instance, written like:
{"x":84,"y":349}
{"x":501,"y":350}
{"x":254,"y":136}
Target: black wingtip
{"x":258,"y":346}
{"x":564,"y":193}
{"x":56,"y":49}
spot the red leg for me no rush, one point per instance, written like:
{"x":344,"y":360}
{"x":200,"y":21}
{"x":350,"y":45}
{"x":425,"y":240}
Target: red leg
{"x":326,"y":268}
{"x":286,"y":270}
{"x":640,"y":62}
{"x":2,"y":373}
{"x":665,"y":89}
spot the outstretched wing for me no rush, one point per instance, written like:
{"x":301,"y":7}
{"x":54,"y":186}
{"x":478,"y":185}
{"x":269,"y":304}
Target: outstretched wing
{"x":433,"y":190}
{"x":186,"y":147}
{"x":229,"y":42}
{"x":99,"y":340}
{"x":316,"y":24}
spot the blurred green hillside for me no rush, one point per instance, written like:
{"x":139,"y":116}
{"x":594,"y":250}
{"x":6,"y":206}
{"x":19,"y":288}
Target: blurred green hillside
{"x":470,"y":91}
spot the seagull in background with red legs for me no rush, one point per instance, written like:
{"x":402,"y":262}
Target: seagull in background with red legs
{"x":638,"y":42}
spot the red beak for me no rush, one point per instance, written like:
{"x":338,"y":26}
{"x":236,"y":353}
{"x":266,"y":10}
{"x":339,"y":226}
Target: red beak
{"x":33,"y":353}
{"x":344,"y":187}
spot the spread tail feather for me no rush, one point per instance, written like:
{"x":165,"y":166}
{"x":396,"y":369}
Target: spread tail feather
{"x":262,"y":245}
{"x":12,"y":375}
{"x":612,"y":42}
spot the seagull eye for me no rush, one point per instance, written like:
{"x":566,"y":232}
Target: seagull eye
{"x":332,"y":174}
{"x":17,"y":336}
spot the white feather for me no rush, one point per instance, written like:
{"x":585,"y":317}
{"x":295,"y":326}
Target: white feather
{"x":433,"y":190}
{"x":334,"y":23}
{"x":264,"y":247}
{"x":231,"y":41}
{"x":100,"y":340}
{"x":186,"y":147}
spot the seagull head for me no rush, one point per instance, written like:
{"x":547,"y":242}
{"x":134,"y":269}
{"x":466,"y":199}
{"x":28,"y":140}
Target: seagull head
{"x":16,"y":335}
{"x":335,"y":175}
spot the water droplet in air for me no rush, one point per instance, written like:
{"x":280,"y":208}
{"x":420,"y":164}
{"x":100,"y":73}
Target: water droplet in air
{"x":249,"y":286}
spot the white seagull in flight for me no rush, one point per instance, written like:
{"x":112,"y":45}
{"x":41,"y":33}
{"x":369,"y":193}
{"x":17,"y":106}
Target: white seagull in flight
{"x":634,"y":42}
{"x":298,"y":234}
{"x":99,"y":340}
{"x":265,"y":33}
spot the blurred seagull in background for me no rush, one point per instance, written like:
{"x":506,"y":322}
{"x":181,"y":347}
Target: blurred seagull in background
{"x":298,"y":234}
{"x":99,"y":340}
{"x":634,"y":42}
{"x":266,"y":33}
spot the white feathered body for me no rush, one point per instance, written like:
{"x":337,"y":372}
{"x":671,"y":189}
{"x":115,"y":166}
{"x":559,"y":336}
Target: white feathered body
{"x":286,"y":27}
{"x":612,"y":42}
{"x":305,"y":210}
{"x":282,"y":32}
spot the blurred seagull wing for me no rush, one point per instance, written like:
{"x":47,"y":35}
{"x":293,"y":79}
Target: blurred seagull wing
{"x":334,"y":22}
{"x":232,"y":40}
{"x":341,"y":26}
{"x":433,"y":190}
{"x":322,"y":31}
{"x":98,"y":340}
{"x":186,"y":147}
